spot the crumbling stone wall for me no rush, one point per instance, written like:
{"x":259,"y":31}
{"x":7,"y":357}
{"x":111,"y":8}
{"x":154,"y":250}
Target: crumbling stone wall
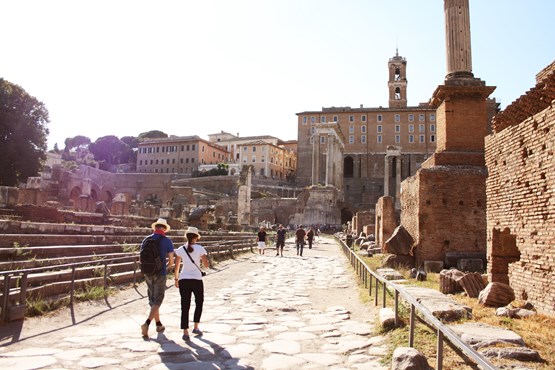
{"x":444,"y":210}
{"x":521,"y":192}
{"x":386,"y":220}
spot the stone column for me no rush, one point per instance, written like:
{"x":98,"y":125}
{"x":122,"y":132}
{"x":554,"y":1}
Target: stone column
{"x":315,"y":159}
{"x":386,"y":176}
{"x":457,"y":38}
{"x":398,"y":183}
{"x":329,"y":162}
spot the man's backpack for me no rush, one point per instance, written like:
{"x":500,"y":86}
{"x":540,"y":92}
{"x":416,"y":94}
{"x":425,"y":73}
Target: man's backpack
{"x":151,"y":264}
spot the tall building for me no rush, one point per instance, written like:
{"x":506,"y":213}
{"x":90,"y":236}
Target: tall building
{"x":382,"y":146}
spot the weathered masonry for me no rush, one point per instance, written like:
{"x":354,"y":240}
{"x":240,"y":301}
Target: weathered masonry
{"x":521,"y":195}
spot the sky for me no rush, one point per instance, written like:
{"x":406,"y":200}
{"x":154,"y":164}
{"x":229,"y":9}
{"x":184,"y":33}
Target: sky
{"x":124,"y":67}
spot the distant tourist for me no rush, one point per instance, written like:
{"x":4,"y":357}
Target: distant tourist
{"x":310,"y":237}
{"x":189,"y":280}
{"x":280,"y":240}
{"x":300,"y":236}
{"x":156,"y":271}
{"x":261,"y":238}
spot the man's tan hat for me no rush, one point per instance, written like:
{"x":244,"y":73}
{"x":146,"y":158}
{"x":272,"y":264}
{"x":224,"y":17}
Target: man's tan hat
{"x":192,"y":230}
{"x":161,"y":221}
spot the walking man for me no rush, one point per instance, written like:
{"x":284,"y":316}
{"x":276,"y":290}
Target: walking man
{"x":310,"y":237}
{"x":300,"y":235}
{"x":280,"y":239}
{"x":156,"y":282}
{"x":261,"y":239}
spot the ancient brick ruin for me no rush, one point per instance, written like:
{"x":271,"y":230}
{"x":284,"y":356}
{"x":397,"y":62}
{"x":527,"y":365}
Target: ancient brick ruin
{"x":521,"y":197}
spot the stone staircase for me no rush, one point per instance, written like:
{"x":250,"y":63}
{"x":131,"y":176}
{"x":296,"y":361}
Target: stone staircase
{"x":46,"y":261}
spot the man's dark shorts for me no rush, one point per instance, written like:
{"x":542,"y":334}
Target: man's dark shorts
{"x":280,"y":243}
{"x":156,"y":287}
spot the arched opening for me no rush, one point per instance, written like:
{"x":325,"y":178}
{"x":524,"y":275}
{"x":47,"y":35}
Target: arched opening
{"x":348,"y":167}
{"x":346,"y":216}
{"x":397,"y":93}
{"x":74,"y":194}
{"x":397,"y":74}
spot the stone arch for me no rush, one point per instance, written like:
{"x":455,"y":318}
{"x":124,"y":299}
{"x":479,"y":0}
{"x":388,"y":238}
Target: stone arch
{"x":74,"y":194}
{"x":348,"y":166}
{"x":346,"y":215}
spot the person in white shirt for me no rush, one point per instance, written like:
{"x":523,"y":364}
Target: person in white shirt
{"x":189,"y":280}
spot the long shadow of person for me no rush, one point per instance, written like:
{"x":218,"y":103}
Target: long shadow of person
{"x":197,"y":353}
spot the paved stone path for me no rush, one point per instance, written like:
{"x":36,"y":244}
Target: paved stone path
{"x":260,"y":312}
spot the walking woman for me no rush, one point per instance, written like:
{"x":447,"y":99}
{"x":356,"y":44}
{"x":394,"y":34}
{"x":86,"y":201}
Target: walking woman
{"x":189,"y":280}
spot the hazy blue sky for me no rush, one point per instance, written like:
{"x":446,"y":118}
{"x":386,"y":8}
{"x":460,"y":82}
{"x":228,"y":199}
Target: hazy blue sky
{"x":122,"y":67}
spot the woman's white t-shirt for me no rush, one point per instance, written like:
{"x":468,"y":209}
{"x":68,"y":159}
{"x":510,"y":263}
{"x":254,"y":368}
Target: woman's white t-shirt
{"x":190,"y":271}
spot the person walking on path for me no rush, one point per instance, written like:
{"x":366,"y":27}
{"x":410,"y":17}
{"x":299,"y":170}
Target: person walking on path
{"x":310,"y":237}
{"x":189,"y":280}
{"x":261,"y":238}
{"x":300,"y":236}
{"x":156,"y":283}
{"x":280,"y":239}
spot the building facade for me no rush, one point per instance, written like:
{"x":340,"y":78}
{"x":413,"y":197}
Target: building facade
{"x":178,"y":154}
{"x":382,"y":146}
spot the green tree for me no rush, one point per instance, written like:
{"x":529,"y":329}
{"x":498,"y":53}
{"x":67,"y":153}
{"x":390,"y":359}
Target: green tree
{"x":110,"y":150}
{"x":154,"y":134}
{"x":23,"y":132}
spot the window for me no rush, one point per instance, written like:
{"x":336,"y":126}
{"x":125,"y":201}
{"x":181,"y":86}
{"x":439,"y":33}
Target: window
{"x":157,"y":161}
{"x":187,"y":147}
{"x":363,"y":129}
{"x":421,"y":127}
{"x":421,"y":117}
{"x":167,"y":161}
{"x":379,"y":128}
{"x":173,"y":161}
{"x":254,"y":149}
{"x":379,"y":117}
{"x":192,"y":160}
{"x":203,"y":148}
{"x":397,"y":139}
{"x":351,"y":118}
{"x":432,"y":127}
{"x":182,"y":147}
{"x":304,"y":120}
{"x":421,"y":138}
{"x":312,"y":119}
{"x":411,"y":117}
{"x":432,"y":138}
{"x":312,"y":130}
{"x":411,"y":128}
{"x":193,"y":147}
{"x":323,"y":119}
{"x":397,"y":118}
{"x":397,"y":93}
{"x":245,"y":148}
{"x":335,"y":119}
{"x":432,"y":117}
{"x":322,"y":139}
{"x":397,"y":76}
{"x":363,"y":118}
{"x":411,"y":138}
{"x":397,"y":128}
{"x":363,"y":139}
{"x":379,"y":138}
{"x":253,"y":159}
{"x":181,"y":161}
{"x":351,"y":129}
{"x":351,"y":139}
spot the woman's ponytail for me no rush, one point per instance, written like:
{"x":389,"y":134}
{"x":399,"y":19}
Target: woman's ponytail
{"x":190,"y":238}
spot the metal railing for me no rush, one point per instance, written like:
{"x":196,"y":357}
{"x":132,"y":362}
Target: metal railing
{"x":372,"y":280}
{"x":20,"y":277}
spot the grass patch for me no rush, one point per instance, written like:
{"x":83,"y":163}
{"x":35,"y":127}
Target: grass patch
{"x":537,"y":331}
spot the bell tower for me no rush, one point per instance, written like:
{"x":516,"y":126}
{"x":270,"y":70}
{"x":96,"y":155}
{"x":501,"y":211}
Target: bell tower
{"x":397,"y":81}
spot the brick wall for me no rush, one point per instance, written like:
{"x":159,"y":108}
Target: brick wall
{"x":521,"y":206}
{"x":444,"y":210}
